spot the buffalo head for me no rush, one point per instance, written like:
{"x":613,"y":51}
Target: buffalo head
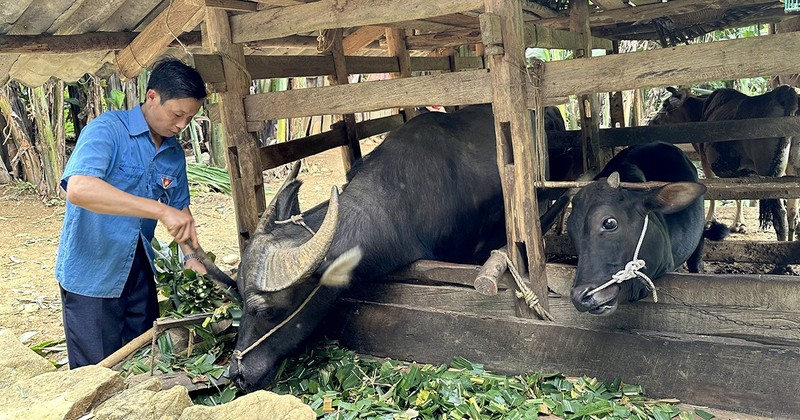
{"x":605,"y":226}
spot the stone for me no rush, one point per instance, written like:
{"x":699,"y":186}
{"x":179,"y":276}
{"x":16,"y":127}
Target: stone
{"x":18,"y":362}
{"x":145,"y":401}
{"x":256,"y":405}
{"x":231,"y":259}
{"x":59,"y":395}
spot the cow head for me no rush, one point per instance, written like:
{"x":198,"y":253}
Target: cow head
{"x":287,"y":287}
{"x":605,"y":226}
{"x":681,"y":106}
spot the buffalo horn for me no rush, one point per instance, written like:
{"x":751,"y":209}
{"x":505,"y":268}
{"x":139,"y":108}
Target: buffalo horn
{"x":286,"y":267}
{"x":269,"y":213}
{"x":613,"y":180}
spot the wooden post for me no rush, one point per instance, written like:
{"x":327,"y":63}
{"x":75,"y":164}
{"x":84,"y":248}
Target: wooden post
{"x":616,"y":103}
{"x":244,"y":163}
{"x":352,"y":151}
{"x":590,"y":126}
{"x":504,"y":41}
{"x":396,"y":47}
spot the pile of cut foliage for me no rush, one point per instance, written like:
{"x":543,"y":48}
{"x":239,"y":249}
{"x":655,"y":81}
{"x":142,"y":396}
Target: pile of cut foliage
{"x":340,"y":384}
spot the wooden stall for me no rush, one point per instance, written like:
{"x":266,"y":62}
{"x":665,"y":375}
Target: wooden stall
{"x":729,"y":342}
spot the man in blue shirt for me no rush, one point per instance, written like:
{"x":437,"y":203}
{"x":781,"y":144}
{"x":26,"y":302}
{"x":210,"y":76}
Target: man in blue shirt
{"x":127,"y":172}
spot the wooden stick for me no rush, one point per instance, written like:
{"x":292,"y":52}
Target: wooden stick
{"x":127,"y":349}
{"x":492,"y":270}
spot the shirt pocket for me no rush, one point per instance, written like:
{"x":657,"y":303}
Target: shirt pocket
{"x":128,"y":177}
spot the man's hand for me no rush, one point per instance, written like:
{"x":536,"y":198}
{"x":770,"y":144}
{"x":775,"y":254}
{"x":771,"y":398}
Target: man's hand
{"x":180,"y":224}
{"x":194,"y":264}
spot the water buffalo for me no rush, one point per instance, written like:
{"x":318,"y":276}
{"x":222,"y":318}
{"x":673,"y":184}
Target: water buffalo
{"x":730,"y":159}
{"x":607,"y":222}
{"x":431,"y":190}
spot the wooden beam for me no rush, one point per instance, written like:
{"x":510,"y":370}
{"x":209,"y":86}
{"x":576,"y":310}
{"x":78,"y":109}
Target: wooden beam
{"x":685,"y":64}
{"x":66,"y":44}
{"x":244,"y":165}
{"x":238,"y":5}
{"x":267,"y":67}
{"x":517,"y":161}
{"x":281,"y":153}
{"x":361,"y":38}
{"x":675,"y":312}
{"x":351,"y":150}
{"x":645,"y":12}
{"x":310,"y":17}
{"x":712,"y":371}
{"x":724,"y":251}
{"x":442,"y":89}
{"x":179,"y":17}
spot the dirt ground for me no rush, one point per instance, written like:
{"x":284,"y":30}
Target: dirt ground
{"x":29,"y":300}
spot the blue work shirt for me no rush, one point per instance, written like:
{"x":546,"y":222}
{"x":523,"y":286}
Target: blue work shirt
{"x":95,"y":252}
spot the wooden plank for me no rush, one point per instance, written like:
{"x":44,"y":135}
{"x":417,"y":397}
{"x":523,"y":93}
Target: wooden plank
{"x":244,"y":6}
{"x":517,"y":161}
{"x":724,"y":60}
{"x":91,"y":41}
{"x":351,"y":150}
{"x":645,"y":12}
{"x":726,"y":373}
{"x":244,"y":164}
{"x":685,"y":133}
{"x":445,"y":89}
{"x":281,"y":153}
{"x":361,"y":38}
{"x":179,"y":17}
{"x":670,"y":315}
{"x":310,"y":17}
{"x":85,"y":16}
{"x":725,"y":251}
{"x":755,"y":291}
{"x":536,"y":36}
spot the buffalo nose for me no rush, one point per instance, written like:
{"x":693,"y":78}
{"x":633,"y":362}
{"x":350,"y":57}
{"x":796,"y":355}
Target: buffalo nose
{"x":581,"y":300}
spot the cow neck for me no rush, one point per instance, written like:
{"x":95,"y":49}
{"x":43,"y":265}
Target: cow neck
{"x":632,"y":269}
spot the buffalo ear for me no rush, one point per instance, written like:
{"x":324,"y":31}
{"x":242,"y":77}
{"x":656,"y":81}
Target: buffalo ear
{"x":674,"y":197}
{"x":613,"y":180}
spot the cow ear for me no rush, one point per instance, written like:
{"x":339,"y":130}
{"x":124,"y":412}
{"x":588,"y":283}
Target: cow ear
{"x":674,"y":197}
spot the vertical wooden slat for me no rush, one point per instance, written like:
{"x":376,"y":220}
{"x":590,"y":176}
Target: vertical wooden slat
{"x":352,"y":151}
{"x":616,"y":103}
{"x":396,"y":47}
{"x":516,"y":158}
{"x":244,"y":163}
{"x":590,"y":127}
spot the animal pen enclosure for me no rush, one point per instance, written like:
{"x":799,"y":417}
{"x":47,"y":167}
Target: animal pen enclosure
{"x":731,"y":342}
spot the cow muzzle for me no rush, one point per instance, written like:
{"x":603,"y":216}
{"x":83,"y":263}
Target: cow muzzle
{"x":603,"y":302}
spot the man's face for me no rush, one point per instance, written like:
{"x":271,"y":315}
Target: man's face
{"x":169,"y":118}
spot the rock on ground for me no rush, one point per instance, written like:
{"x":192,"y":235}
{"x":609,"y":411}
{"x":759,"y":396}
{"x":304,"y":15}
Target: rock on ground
{"x":59,"y":395}
{"x":256,"y":405}
{"x":18,"y":362}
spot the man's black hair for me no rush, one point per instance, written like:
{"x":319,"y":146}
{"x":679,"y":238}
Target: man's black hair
{"x":174,"y":80}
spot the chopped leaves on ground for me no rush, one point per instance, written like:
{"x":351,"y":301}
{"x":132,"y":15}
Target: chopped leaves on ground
{"x":340,"y":384}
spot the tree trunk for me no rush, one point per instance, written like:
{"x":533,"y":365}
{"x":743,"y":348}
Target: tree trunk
{"x":21,"y":136}
{"x":5,"y":162}
{"x":47,"y":102}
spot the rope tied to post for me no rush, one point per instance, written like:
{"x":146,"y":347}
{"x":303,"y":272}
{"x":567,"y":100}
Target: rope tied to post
{"x":524,"y":291}
{"x":632,"y":269}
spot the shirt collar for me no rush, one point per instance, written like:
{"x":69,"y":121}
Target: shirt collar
{"x":137,"y":125}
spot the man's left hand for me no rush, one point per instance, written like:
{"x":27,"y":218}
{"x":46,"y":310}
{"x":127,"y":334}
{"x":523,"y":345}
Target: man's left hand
{"x":194,"y":264}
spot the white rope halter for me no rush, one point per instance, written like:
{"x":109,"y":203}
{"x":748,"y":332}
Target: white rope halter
{"x":632,"y":269}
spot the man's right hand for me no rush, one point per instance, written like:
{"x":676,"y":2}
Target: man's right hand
{"x":180,"y":224}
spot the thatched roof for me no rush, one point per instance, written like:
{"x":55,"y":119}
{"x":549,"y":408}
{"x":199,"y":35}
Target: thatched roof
{"x":66,"y":38}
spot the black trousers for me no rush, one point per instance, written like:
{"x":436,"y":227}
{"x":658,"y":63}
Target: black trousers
{"x":97,"y":327}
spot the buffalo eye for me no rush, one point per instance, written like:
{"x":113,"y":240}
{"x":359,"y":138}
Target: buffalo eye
{"x":610,"y":224}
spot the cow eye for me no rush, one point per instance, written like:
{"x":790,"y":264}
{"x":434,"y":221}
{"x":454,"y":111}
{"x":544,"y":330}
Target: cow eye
{"x":610,"y":224}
